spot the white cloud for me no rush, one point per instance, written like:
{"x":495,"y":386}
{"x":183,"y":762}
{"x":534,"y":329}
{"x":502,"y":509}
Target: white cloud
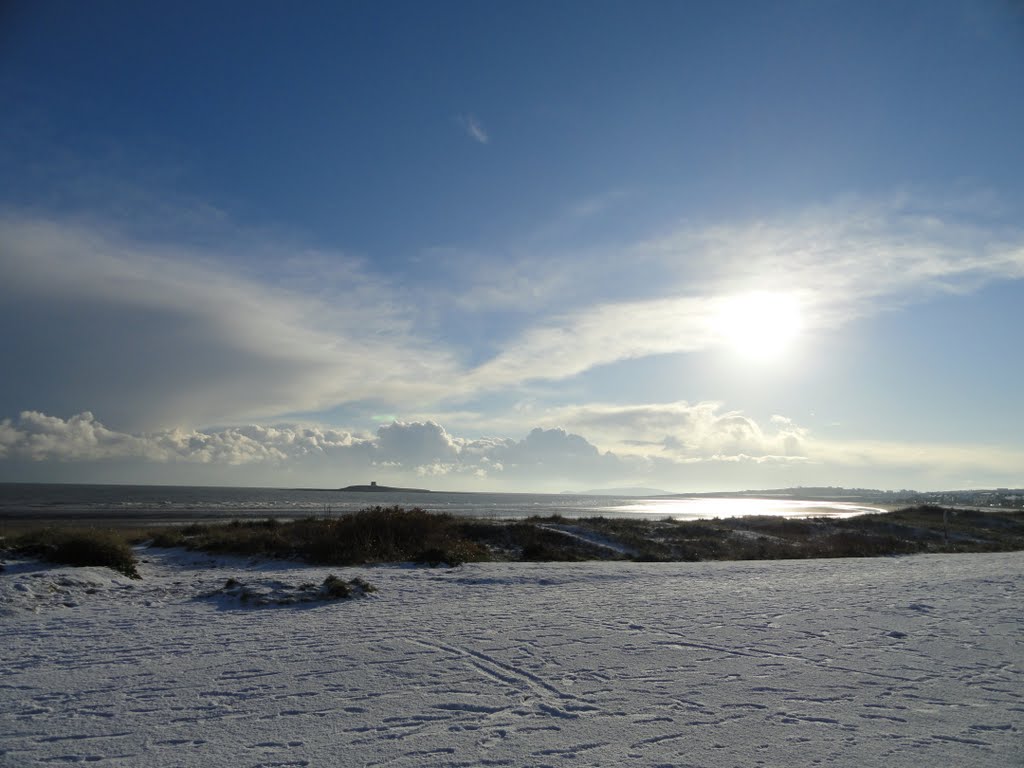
{"x":160,"y":335}
{"x":699,"y":448}
{"x":417,"y":444}
{"x":568,"y":345}
{"x":852,"y":259}
{"x":838,"y":264}
{"x":678,"y":430}
{"x":475,"y":129}
{"x":407,"y":449}
{"x":39,"y":437}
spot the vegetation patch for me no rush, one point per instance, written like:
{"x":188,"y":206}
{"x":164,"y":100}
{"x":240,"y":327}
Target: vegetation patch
{"x":394,"y":534}
{"x":373,"y":535}
{"x":78,"y":547}
{"x":275,"y":593}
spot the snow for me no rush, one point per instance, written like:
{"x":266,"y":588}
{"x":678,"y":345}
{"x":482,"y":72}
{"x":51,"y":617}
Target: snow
{"x":588,"y":537}
{"x":869,"y":662}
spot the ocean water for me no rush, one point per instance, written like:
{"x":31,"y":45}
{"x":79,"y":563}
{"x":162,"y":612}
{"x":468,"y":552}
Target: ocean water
{"x":157,"y":503}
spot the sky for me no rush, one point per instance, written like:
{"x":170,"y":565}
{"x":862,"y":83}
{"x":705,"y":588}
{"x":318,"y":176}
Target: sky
{"x":513,"y":246}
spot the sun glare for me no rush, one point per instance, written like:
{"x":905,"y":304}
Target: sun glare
{"x":759,"y":326}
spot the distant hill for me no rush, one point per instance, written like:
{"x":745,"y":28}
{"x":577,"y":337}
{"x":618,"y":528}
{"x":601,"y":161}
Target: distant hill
{"x":620,"y":492}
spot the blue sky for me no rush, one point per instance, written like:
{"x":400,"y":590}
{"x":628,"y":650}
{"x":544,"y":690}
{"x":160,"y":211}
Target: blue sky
{"x":513,"y":246}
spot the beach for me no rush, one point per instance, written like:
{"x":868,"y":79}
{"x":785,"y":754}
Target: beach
{"x":892,"y":661}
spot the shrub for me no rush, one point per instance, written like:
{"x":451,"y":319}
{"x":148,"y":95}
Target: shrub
{"x":388,"y":534}
{"x":167,"y":538}
{"x":539,"y":544}
{"x":90,"y":547}
{"x":97,"y":548}
{"x":363,"y":585}
{"x":336,"y":588}
{"x":457,"y":553}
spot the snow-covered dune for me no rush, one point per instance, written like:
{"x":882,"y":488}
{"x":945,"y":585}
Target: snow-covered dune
{"x":911,"y":661}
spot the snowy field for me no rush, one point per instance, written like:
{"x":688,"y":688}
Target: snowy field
{"x":913,"y":661}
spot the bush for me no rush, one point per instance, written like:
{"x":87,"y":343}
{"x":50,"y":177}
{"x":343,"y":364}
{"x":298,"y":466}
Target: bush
{"x":335,"y":588}
{"x":359,"y":583}
{"x":456,"y":554}
{"x":167,"y":538}
{"x":373,"y":535}
{"x":91,"y":547}
{"x":539,"y":544}
{"x":97,"y":548}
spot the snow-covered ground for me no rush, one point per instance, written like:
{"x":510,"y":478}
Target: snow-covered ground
{"x":912,"y":661}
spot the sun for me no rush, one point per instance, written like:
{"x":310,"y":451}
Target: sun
{"x":759,"y":326}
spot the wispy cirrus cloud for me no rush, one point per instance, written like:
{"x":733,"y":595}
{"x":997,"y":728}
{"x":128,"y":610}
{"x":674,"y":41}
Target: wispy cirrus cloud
{"x":855,"y":258}
{"x":839,"y":264}
{"x":564,"y":346}
{"x":474,"y":128}
{"x":158,"y":334}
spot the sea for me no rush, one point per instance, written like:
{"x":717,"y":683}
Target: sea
{"x":142,"y":504}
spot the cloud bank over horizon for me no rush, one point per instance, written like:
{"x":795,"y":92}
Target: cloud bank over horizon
{"x":700,"y":442}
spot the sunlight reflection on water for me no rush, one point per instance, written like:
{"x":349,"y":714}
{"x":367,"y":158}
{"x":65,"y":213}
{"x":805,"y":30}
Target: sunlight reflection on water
{"x":697,"y":508}
{"x":182,"y":503}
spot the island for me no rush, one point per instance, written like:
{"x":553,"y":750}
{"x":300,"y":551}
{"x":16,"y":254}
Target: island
{"x":374,"y":488}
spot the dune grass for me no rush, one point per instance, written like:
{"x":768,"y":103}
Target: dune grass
{"x":394,"y":534}
{"x":78,"y":547}
{"x":905,"y":531}
{"x":373,"y":535}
